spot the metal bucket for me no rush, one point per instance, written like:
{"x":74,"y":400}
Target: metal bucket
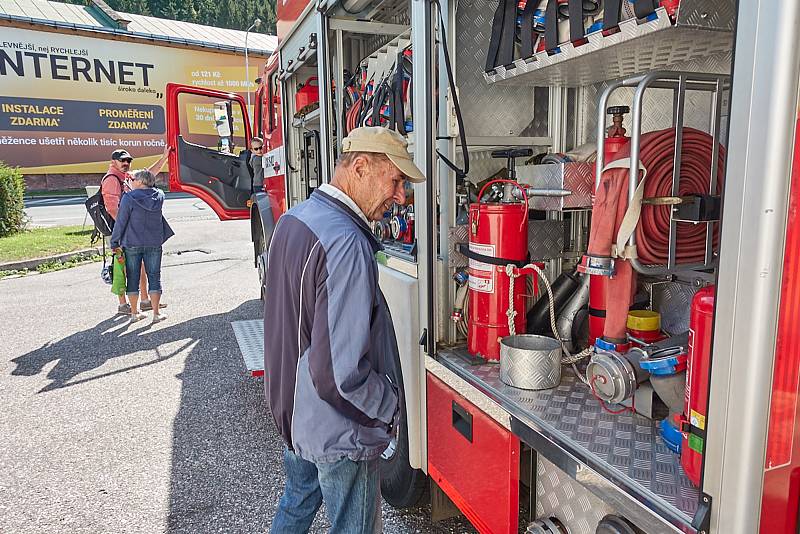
{"x":530,"y":362}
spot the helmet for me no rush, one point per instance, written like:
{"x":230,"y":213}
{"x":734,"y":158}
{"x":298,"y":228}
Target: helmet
{"x":106,"y":274}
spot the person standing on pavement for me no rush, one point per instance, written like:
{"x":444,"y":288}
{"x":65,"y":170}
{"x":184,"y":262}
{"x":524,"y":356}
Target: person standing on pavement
{"x":141,"y":230}
{"x":327,"y":337}
{"x":116,"y":183}
{"x":257,"y":147}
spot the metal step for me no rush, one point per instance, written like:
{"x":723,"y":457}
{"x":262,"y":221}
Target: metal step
{"x":250,"y":336}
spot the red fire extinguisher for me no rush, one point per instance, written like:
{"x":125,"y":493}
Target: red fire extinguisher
{"x":498,"y":231}
{"x":614,"y":142}
{"x":701,"y":323}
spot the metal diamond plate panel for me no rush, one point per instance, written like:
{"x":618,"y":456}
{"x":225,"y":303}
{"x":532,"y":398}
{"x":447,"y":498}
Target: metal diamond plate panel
{"x":456,"y":236}
{"x":673,"y":301}
{"x":545,"y":241}
{"x":571,"y":130}
{"x":708,"y":14}
{"x":636,"y":48}
{"x":541,"y":110}
{"x":481,"y":163}
{"x":657,"y":109}
{"x":627,"y":444}
{"x":577,"y":178}
{"x":558,"y":495}
{"x":487,"y":111}
{"x":250,"y":337}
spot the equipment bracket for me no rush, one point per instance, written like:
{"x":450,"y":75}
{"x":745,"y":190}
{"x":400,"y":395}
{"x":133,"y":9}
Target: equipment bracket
{"x":702,"y":518}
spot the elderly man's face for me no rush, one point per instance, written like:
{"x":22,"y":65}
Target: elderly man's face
{"x":380,"y":184}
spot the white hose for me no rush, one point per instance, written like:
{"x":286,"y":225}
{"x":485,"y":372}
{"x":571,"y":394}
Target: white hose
{"x":462,"y":298}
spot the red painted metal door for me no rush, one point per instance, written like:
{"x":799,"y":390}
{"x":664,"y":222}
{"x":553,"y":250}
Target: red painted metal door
{"x":779,"y":508}
{"x":217,"y":175}
{"x":474,"y":460}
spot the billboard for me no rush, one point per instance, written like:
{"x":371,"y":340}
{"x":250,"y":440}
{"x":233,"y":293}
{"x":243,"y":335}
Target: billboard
{"x":66,"y":101}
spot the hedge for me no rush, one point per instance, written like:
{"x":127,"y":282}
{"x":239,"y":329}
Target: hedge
{"x":12,"y":189}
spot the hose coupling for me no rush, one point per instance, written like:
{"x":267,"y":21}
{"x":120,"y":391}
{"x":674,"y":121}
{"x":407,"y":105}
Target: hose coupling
{"x":599,"y":265}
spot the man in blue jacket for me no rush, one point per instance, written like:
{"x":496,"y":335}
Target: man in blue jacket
{"x":325,"y":331}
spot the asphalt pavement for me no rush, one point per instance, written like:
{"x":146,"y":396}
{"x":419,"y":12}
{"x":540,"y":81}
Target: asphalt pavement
{"x":110,"y":427}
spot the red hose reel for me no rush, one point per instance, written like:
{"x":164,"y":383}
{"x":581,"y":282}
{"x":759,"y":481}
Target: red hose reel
{"x":652,"y":230}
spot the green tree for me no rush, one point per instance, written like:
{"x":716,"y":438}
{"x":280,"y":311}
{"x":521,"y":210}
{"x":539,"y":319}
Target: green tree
{"x":232,"y":14}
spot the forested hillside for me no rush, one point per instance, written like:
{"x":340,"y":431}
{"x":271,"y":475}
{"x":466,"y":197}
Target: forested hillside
{"x":234,"y":14}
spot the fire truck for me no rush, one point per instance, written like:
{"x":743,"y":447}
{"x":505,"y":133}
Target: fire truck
{"x":596,"y":291}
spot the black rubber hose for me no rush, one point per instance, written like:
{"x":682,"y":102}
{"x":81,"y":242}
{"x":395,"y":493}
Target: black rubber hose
{"x":538,"y":318}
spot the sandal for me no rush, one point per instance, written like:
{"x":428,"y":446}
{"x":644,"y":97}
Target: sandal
{"x":146,"y":305}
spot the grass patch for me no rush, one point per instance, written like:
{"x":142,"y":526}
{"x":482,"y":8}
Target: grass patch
{"x":51,"y":266}
{"x":39,"y":242}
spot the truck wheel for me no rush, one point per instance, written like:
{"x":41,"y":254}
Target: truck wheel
{"x":260,"y":249}
{"x":401,"y":485}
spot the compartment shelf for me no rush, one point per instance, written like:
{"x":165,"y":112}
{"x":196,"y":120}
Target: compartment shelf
{"x":309,"y":119}
{"x":619,"y":455}
{"x":703,"y":28}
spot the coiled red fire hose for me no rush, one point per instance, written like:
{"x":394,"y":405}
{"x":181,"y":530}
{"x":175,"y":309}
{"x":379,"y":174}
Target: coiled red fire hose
{"x":652,"y":232}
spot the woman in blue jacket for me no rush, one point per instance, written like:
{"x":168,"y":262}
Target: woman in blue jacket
{"x":141,"y":230}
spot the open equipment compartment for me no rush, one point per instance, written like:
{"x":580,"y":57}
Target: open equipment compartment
{"x":369,"y":45}
{"x":553,"y":105}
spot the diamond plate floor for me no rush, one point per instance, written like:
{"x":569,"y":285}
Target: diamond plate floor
{"x":250,"y":336}
{"x":627,"y":445}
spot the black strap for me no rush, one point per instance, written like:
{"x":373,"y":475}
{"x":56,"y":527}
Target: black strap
{"x":461,"y":174}
{"x":526,"y":33}
{"x":398,"y":119}
{"x":103,"y":179}
{"x":494,"y":40}
{"x":463,"y":248}
{"x":505,"y":55}
{"x":551,"y":25}
{"x":611,"y":13}
{"x":377,"y":102}
{"x":643,"y":8}
{"x":596,"y":312}
{"x":576,"y":31}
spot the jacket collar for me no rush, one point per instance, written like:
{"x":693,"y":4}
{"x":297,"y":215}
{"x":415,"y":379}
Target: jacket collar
{"x":341,"y":206}
{"x":338,"y":194}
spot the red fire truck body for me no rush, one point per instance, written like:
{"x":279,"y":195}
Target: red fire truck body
{"x":588,"y":452}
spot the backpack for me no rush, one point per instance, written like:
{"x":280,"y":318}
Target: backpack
{"x":96,"y":207}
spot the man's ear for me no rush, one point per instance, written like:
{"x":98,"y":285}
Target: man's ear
{"x":361,"y":166}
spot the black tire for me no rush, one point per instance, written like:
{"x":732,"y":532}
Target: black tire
{"x":259,"y":250}
{"x":401,"y":485}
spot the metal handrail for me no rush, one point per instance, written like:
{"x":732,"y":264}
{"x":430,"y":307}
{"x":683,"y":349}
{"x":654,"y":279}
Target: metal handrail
{"x":679,"y":82}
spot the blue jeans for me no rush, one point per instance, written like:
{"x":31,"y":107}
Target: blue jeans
{"x":134,"y":256}
{"x":351,"y":491}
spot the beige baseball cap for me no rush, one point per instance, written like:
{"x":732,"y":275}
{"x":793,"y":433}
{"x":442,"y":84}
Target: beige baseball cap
{"x":384,"y":141}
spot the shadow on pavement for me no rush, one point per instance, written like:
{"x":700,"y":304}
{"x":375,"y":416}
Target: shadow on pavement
{"x":90,"y":349}
{"x":224,"y":448}
{"x":224,"y":451}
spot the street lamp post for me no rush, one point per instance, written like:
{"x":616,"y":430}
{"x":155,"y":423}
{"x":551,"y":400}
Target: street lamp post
{"x":256,"y":23}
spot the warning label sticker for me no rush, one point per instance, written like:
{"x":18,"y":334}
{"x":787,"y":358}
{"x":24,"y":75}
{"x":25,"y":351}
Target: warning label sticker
{"x":481,"y":284}
{"x":481,"y":275}
{"x":485,"y":250}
